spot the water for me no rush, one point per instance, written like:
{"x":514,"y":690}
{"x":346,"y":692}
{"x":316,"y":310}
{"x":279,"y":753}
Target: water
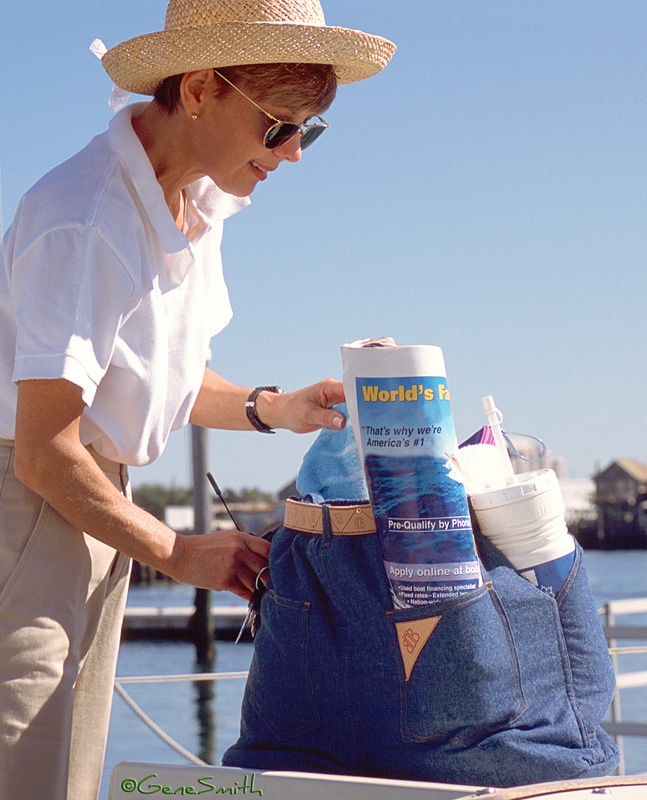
{"x":204,"y":717}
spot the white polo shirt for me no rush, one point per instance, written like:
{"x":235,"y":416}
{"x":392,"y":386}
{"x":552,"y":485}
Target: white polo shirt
{"x":99,"y":286}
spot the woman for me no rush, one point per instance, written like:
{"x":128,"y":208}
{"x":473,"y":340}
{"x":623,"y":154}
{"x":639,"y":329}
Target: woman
{"x":111,"y":290}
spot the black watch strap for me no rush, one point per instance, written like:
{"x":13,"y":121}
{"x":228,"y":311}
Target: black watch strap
{"x":250,"y":407}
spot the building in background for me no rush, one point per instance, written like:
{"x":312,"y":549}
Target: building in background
{"x":621,"y":502}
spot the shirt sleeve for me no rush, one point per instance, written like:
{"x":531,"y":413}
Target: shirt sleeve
{"x":71,"y":294}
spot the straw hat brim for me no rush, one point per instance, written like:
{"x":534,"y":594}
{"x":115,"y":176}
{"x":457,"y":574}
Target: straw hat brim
{"x":139,"y":65}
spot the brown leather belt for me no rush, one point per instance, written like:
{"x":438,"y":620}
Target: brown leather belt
{"x":344,"y":520}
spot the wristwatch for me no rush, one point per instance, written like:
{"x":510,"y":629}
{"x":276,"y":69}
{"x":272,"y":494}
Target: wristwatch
{"x":250,"y":407}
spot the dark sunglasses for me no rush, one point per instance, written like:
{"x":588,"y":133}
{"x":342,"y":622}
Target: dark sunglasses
{"x":281,"y":132}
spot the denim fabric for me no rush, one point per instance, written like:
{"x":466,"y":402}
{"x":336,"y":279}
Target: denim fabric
{"x":509,"y":688}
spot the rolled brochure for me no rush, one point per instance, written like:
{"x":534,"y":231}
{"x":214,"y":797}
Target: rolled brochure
{"x":400,"y":409}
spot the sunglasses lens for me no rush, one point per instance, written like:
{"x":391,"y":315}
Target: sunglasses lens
{"x":311,"y":135}
{"x":279,"y":134}
{"x":282,"y":132}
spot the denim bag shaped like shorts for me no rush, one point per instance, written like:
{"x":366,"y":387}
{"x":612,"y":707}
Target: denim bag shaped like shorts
{"x":509,"y":688}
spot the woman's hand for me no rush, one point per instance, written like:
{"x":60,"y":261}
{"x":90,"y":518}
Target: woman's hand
{"x":223,"y":560}
{"x":304,"y":410}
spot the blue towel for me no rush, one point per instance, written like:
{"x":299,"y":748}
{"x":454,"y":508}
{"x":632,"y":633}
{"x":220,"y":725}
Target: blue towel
{"x":332,"y":467}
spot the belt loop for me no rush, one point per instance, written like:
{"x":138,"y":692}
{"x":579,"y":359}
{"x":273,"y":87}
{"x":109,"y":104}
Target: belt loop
{"x":325,"y":521}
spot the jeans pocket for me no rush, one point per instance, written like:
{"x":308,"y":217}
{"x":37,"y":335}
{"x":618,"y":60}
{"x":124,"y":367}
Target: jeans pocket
{"x":466,"y":682}
{"x":283,"y":639}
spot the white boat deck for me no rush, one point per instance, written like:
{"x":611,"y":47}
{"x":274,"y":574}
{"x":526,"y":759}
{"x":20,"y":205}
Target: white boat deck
{"x":133,"y":779}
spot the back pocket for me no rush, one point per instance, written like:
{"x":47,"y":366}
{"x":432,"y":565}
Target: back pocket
{"x":280,"y":689}
{"x":465,"y":683}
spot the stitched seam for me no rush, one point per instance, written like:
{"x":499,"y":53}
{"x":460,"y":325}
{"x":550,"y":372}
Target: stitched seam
{"x":567,"y":673}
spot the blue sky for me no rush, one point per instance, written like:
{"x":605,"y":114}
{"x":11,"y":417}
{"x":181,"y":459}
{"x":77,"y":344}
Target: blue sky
{"x":486,"y":193}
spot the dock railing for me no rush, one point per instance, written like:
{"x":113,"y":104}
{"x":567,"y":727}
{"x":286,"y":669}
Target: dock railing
{"x":614,"y":632}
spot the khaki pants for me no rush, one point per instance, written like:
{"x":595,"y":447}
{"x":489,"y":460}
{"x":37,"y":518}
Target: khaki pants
{"x":62,"y":597}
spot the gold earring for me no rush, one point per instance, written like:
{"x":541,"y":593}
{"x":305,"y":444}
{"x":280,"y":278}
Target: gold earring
{"x":194,"y":116}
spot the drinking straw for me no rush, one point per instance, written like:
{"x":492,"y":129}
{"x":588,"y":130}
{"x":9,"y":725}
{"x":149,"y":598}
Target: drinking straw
{"x":495,"y":418}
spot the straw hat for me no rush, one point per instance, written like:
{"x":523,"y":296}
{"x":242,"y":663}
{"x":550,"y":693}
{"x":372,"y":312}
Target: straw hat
{"x":200,"y":34}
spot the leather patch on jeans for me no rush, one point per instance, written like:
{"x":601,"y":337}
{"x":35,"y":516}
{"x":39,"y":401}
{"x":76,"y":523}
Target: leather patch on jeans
{"x":412,"y":637}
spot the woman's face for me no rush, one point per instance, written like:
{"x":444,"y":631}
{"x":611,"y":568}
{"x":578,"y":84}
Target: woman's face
{"x":227,"y":140}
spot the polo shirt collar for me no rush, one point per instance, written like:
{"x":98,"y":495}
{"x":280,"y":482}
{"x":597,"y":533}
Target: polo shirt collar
{"x":212,"y":203}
